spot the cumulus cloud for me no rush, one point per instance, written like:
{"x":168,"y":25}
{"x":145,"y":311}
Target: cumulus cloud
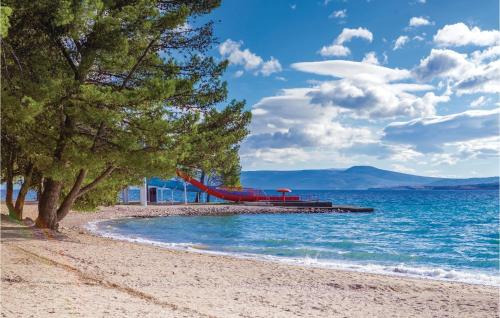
{"x":371,"y":58}
{"x":232,"y":51}
{"x":270,"y":67}
{"x":466,"y":75}
{"x":442,"y":63}
{"x":486,"y":55}
{"x":348,"y":34}
{"x":431,"y":134}
{"x":369,"y":90}
{"x":460,"y":34}
{"x":400,"y":42}
{"x":337,"y":48}
{"x":375,"y":100}
{"x":418,"y":21}
{"x":340,"y":14}
{"x":482,"y":79}
{"x":289,"y":122}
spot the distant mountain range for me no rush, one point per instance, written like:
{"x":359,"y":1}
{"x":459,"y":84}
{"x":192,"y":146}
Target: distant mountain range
{"x":354,"y":178}
{"x":481,"y":186}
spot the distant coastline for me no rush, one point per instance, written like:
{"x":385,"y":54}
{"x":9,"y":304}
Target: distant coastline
{"x":481,"y":186}
{"x":353,"y":178}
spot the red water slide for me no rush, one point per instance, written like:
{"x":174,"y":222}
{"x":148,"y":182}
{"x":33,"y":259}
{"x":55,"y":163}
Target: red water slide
{"x":236,"y":195}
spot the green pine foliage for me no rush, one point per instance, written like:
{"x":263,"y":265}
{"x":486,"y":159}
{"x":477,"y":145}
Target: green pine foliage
{"x":97,"y":94}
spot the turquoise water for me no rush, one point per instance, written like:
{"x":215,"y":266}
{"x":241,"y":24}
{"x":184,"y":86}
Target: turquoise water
{"x":450,"y":235}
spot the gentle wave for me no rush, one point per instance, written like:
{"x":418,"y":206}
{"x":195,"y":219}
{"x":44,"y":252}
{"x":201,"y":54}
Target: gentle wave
{"x":402,"y":270}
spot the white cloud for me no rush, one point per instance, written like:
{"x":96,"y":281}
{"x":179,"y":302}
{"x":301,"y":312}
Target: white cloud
{"x":334,"y":50}
{"x":351,"y":69}
{"x":270,"y":67}
{"x":231,"y":50}
{"x":371,"y":58}
{"x":486,"y":55}
{"x":348,"y":34}
{"x":293,"y":6}
{"x":400,"y":42}
{"x":465,"y":75}
{"x":375,"y":100}
{"x":337,"y":48}
{"x":431,"y":134}
{"x":386,"y":58}
{"x":460,"y":34}
{"x":478,"y":102}
{"x":478,"y":148}
{"x":282,"y":156}
{"x":482,"y":79}
{"x":340,"y":14}
{"x":291,"y":121}
{"x":239,"y":73}
{"x":366,"y":90}
{"x":418,"y":21}
{"x":251,"y":62}
{"x":440,"y":63}
{"x":291,"y":107}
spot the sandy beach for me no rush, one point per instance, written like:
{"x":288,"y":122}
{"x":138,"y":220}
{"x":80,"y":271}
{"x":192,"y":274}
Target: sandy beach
{"x":77,"y":274}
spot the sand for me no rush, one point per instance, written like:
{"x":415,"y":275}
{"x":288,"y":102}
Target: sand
{"x":76,"y":274}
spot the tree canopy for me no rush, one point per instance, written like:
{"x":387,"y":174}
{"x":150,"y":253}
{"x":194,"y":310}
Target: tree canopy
{"x":97,"y":94}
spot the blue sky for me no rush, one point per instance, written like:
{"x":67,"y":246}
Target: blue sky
{"x":409,"y":85}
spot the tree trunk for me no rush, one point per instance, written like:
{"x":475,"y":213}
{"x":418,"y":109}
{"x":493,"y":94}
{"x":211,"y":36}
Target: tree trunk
{"x":9,"y":195}
{"x":72,"y":196}
{"x":49,"y":200}
{"x":47,"y":206}
{"x":202,"y":180}
{"x":23,"y":191}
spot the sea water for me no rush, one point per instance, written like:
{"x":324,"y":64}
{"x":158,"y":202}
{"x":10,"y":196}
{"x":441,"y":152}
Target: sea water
{"x":448,"y":235}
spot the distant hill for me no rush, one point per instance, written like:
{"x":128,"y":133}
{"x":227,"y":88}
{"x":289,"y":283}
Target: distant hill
{"x":354,"y":178}
{"x":482,"y":186}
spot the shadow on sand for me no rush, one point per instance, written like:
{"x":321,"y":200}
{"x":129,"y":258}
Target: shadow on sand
{"x":12,"y":230}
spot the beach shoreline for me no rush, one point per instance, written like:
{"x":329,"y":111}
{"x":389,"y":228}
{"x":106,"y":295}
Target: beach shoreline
{"x":398,"y":270}
{"x":204,"y":284}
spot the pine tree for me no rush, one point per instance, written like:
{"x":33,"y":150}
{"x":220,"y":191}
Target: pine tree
{"x":97,"y":94}
{"x":215,"y":145}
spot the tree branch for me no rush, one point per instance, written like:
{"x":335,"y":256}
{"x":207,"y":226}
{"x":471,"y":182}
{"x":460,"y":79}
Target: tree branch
{"x":71,"y":196}
{"x":96,"y":181}
{"x":136,"y":65}
{"x":68,"y":58}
